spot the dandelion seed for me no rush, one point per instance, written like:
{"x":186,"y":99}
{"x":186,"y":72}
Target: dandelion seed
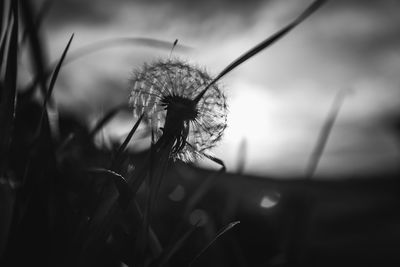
{"x":165,"y":91}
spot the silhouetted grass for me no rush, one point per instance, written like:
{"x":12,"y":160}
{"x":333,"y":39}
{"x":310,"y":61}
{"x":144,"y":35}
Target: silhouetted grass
{"x":324,"y":134}
{"x":67,"y":202}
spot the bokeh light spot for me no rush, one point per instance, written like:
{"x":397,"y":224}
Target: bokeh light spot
{"x":177,"y":194}
{"x":270,"y":200}
{"x":198,"y":217}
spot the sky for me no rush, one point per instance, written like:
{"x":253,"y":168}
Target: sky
{"x":278,"y":100}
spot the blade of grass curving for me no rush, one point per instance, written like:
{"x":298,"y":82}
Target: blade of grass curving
{"x":36,"y":45}
{"x":216,"y":160}
{"x":53,"y":81}
{"x":212,"y":158}
{"x":120,"y":183}
{"x":3,"y":56}
{"x":8,"y":98}
{"x":3,"y":46}
{"x":4,"y":30}
{"x":219,"y":234}
{"x":264,"y":44}
{"x":324,"y":133}
{"x":5,"y":14}
{"x":107,"y":117}
{"x":7,"y":21}
{"x":118,"y":156}
{"x":99,"y":46}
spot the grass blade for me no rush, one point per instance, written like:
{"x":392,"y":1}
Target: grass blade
{"x":107,"y":117}
{"x":53,"y":81}
{"x":120,"y":183}
{"x":264,"y":44}
{"x":8,"y":98}
{"x":3,"y":59}
{"x":4,"y":30}
{"x":216,"y":160}
{"x":324,"y":134}
{"x":117,"y":159}
{"x":36,"y":45}
{"x":3,"y":18}
{"x":219,"y":234}
{"x":5,"y":12}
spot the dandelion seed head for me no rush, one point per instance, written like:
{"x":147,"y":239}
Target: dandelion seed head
{"x":170,"y":86}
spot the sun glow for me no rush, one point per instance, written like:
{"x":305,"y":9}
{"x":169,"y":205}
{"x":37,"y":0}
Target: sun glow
{"x":248,"y":116}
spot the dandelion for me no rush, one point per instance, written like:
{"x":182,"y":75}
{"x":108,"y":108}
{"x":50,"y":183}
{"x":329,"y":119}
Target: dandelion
{"x":165,"y":91}
{"x":183,"y":105}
